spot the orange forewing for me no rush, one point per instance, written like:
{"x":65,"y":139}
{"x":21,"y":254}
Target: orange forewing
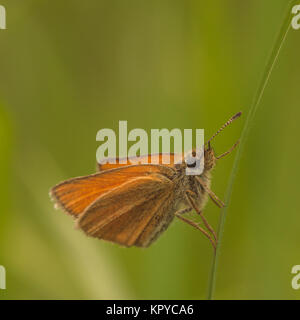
{"x":76,"y":194}
{"x":123,"y":214}
{"x":150,"y":159}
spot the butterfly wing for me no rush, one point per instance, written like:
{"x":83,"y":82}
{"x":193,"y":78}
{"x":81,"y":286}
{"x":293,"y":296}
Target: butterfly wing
{"x":164,"y":159}
{"x":76,"y":194}
{"x":123,"y":214}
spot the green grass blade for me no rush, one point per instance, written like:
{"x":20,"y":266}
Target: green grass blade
{"x":245,"y":133}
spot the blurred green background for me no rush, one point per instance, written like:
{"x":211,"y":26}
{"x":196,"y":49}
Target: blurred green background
{"x":69,"y":68}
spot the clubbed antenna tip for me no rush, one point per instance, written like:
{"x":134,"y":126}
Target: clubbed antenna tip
{"x":237,"y":115}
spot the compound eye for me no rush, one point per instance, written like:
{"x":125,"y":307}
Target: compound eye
{"x":191,"y":165}
{"x":191,"y":161}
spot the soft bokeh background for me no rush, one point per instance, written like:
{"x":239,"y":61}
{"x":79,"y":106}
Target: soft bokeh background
{"x":69,"y":68}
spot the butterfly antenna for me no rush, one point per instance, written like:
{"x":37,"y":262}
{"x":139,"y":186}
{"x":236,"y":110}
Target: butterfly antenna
{"x":229,"y":151}
{"x":223,"y":127}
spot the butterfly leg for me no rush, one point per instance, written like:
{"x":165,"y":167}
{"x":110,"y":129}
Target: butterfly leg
{"x":179,"y":214}
{"x":207,"y":225}
{"x":213,"y":197}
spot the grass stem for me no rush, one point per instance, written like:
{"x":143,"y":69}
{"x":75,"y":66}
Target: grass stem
{"x":245,"y":133}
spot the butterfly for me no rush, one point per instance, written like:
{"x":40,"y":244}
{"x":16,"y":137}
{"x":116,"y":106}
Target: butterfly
{"x":133,"y":204}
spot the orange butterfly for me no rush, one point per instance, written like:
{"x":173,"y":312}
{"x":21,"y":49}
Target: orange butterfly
{"x":132,"y":204}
